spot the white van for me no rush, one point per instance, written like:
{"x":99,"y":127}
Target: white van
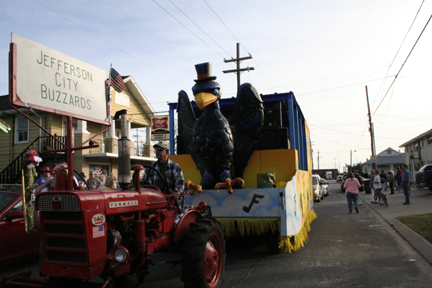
{"x":329,"y":175}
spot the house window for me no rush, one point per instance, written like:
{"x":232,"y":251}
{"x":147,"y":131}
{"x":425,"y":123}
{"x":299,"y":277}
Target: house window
{"x":122,"y":99}
{"x":429,"y":140}
{"x":21,"y":130}
{"x":388,"y":151}
{"x":416,"y":147}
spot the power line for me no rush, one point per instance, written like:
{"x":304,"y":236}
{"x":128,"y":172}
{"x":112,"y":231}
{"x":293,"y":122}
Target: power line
{"x":388,"y":106}
{"x":332,"y":141}
{"x":361,"y":138}
{"x":221,"y":20}
{"x":403,"y":40}
{"x":342,"y":132}
{"x":319,"y":91}
{"x":106,"y":41}
{"x":330,"y":78}
{"x":238,"y":41}
{"x":259,"y":68}
{"x":139,"y":24}
{"x":406,"y":59}
{"x":343,"y":86}
{"x":188,"y":29}
{"x":199,"y":28}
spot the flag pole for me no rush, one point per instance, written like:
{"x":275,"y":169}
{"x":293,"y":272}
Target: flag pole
{"x":109,"y":81}
{"x":108,"y":94}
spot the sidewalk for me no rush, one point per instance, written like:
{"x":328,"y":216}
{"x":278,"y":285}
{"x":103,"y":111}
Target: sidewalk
{"x":421,"y":203}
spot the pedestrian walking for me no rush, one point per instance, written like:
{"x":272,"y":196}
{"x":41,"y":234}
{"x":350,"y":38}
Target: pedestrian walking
{"x":383,"y":178}
{"x":386,"y":183}
{"x":352,"y":186}
{"x":406,"y":183}
{"x":376,"y":184}
{"x":391,"y":181}
{"x":398,"y":178}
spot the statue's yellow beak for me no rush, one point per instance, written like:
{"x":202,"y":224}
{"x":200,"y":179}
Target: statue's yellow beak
{"x":204,"y":98}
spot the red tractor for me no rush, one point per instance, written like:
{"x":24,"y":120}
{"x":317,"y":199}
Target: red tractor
{"x":113,"y":233}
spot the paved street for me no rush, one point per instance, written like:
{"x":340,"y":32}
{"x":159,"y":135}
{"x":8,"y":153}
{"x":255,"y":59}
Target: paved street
{"x":368,"y":249}
{"x":344,"y":250}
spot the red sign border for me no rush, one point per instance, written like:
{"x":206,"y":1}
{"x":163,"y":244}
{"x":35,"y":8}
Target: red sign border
{"x":15,"y":100}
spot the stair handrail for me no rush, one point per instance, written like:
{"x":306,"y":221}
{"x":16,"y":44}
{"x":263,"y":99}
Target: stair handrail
{"x":15,"y":166}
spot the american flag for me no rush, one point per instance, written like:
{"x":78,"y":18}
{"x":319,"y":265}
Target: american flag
{"x":98,"y":231}
{"x":117,"y":81}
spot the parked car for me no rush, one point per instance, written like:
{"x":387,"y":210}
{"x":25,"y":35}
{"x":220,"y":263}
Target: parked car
{"x":324,"y":186}
{"x":424,"y":177}
{"x":339,"y":178}
{"x":317,"y":188}
{"x":15,"y":242}
{"x":359,"y":178}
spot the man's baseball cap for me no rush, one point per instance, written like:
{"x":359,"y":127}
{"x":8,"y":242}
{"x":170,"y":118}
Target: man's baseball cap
{"x":162,"y":145}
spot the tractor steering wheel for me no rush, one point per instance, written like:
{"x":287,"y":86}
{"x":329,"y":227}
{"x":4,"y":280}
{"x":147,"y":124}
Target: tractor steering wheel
{"x":164,"y":180}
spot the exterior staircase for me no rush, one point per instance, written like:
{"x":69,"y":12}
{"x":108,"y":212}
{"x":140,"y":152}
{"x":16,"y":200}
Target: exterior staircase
{"x":12,"y":174}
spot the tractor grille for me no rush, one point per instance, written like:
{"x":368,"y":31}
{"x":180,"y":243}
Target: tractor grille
{"x":59,"y":202}
{"x":65,"y":236}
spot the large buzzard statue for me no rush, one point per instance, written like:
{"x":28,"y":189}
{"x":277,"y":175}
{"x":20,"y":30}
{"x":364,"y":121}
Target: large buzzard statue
{"x":215,"y":143}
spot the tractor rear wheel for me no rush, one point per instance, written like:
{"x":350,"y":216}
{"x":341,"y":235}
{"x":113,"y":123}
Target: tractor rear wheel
{"x":203,"y":259}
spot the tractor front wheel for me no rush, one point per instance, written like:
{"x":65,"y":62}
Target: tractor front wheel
{"x":203,"y":259}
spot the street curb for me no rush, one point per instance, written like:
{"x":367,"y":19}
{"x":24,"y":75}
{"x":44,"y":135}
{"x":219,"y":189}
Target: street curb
{"x":419,"y":244}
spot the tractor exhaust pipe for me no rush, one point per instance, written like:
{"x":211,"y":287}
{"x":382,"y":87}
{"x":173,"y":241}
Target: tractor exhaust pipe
{"x":124,"y":166}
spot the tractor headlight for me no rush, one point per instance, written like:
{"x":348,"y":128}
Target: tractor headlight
{"x":121,"y":255}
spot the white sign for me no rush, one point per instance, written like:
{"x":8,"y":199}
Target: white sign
{"x":47,"y":78}
{"x":98,"y":219}
{"x":160,"y":137}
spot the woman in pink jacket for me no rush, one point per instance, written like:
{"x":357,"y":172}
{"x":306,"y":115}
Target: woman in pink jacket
{"x":352,"y":186}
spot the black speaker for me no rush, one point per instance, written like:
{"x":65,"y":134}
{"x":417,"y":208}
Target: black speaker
{"x":181,"y":145}
{"x":273,"y":138}
{"x":272,"y":114}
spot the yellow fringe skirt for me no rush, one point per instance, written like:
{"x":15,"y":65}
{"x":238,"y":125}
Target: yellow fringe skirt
{"x":260,"y":226}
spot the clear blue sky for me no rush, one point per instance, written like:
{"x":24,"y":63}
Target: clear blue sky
{"x":326,"y":52}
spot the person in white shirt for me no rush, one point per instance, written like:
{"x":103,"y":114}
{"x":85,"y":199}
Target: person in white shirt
{"x":376,"y":184}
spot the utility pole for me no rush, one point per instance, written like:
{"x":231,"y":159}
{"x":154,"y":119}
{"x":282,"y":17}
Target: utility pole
{"x":371,"y":129}
{"x":351,"y":168}
{"x":318,"y":159}
{"x":238,"y":61}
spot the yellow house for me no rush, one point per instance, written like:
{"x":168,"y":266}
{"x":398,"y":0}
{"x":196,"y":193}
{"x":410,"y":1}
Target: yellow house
{"x":19,"y":135}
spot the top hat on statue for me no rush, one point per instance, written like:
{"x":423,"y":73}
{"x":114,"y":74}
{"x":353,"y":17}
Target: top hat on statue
{"x":204,"y":72}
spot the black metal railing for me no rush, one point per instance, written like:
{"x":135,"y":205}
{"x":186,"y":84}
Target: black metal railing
{"x":13,"y":172}
{"x":48,"y":142}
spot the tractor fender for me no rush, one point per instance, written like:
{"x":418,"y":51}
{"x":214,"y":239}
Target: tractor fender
{"x":184,"y":225}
